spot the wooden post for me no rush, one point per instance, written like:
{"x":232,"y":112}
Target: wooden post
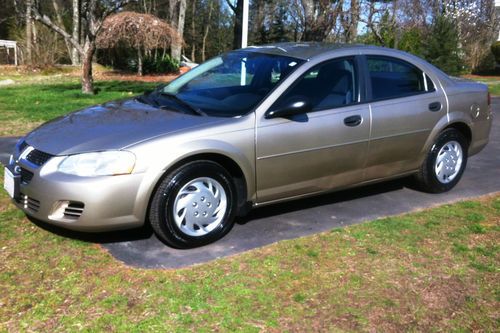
{"x":15,"y":54}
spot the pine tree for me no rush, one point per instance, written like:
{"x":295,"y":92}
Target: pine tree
{"x":442,"y":47}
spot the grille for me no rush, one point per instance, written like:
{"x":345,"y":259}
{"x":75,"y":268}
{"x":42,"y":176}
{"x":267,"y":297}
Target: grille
{"x":38,"y":157}
{"x":29,"y":203}
{"x":26,"y":176}
{"x":74,"y":210}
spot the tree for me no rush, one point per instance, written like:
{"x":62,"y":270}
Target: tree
{"x":238,"y":19}
{"x":317,"y":18}
{"x":93,"y":13}
{"x":476,"y":25}
{"x":75,"y":56}
{"x":143,"y":32}
{"x":177,"y":11}
{"x":443,"y":47}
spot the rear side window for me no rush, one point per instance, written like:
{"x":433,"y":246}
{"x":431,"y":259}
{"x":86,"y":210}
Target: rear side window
{"x":393,"y":78}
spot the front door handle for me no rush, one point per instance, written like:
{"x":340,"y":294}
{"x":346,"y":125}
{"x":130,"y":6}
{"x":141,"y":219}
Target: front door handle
{"x":352,"y":121}
{"x":436,"y":106}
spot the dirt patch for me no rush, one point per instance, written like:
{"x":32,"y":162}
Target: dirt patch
{"x":15,"y":127}
{"x":120,"y":76}
{"x":100,"y":73}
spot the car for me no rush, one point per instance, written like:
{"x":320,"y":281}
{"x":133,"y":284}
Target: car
{"x":249,"y":128}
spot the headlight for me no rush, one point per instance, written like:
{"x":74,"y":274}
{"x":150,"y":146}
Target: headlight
{"x":106,"y":163}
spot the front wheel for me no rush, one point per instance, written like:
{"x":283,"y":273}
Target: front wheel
{"x":445,"y":162}
{"x":194,"y":205}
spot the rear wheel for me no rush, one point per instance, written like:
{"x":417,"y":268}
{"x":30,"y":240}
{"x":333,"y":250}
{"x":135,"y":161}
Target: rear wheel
{"x":445,"y":162}
{"x":194,"y":205}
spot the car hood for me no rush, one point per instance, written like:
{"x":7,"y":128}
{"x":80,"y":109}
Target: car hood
{"x":113,"y":125}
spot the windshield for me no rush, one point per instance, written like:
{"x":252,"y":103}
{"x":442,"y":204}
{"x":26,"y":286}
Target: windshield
{"x":232,"y":84}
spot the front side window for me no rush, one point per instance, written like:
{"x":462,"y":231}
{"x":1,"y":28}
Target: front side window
{"x":393,"y":78}
{"x":232,"y":84}
{"x":328,"y":85}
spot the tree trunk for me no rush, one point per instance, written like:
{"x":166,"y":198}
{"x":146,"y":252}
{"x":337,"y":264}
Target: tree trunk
{"x":205,"y":35}
{"x":75,"y":55}
{"x":87,"y":79}
{"x":139,"y":62}
{"x":353,"y":24}
{"x":238,"y":19}
{"x":61,"y":24}
{"x":29,"y":32}
{"x":176,"y":48}
{"x":193,"y":32}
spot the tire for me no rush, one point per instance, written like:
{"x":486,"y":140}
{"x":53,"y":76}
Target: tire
{"x":445,"y":162}
{"x":194,"y":205}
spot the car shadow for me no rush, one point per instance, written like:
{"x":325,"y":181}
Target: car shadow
{"x":106,"y":237}
{"x":327,"y":199}
{"x":146,"y":232}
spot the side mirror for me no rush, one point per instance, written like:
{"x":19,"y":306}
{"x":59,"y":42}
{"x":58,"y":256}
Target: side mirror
{"x":294,"y":107}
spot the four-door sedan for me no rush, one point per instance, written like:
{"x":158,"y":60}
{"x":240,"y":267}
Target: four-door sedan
{"x":248,"y":128}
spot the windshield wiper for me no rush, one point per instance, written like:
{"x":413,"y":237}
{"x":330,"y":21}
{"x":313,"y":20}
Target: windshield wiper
{"x":184,"y":103}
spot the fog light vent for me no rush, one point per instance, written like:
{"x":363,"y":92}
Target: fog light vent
{"x":67,"y":210}
{"x":74,"y":209}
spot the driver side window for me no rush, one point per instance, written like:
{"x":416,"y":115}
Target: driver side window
{"x":328,"y":85}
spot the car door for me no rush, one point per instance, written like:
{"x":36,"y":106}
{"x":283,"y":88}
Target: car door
{"x":319,"y":150}
{"x":405,"y":106}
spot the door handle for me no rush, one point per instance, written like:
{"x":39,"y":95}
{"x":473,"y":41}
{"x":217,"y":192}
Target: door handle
{"x":436,"y":106}
{"x":352,"y":121}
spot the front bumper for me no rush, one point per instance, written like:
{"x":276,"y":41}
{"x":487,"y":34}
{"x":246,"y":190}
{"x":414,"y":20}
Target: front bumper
{"x":79,"y":203}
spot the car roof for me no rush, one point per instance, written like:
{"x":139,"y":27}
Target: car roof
{"x":309,"y":50}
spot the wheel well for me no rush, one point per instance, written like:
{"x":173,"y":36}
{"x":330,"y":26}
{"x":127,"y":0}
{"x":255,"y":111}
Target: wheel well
{"x":462,"y":128}
{"x":227,"y":163}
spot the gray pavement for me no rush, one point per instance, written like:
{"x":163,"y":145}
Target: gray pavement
{"x":139,"y":247}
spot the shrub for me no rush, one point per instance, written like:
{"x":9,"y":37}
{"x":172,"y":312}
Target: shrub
{"x":158,"y":65}
{"x":495,"y":49}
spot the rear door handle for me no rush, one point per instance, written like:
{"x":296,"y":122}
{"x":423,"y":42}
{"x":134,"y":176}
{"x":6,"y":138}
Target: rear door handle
{"x":436,"y":106}
{"x":352,"y":121}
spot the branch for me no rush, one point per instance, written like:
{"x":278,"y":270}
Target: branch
{"x":115,"y":8}
{"x":233,"y":7}
{"x":109,"y":11}
{"x":44,"y":19}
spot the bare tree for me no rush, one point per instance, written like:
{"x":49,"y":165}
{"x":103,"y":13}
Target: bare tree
{"x":205,"y":34}
{"x":177,"y":18}
{"x":193,"y":30}
{"x":349,"y":19}
{"x":29,"y":32}
{"x":317,"y":18}
{"x":238,"y":19}
{"x":75,"y":55}
{"x":94,"y":12}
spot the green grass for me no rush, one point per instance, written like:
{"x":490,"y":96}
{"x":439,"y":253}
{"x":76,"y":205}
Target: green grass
{"x":425,"y":271}
{"x":25,"y":106}
{"x":493,"y":83}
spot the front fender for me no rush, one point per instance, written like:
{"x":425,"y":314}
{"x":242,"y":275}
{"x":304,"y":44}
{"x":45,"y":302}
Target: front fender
{"x":241,"y":151}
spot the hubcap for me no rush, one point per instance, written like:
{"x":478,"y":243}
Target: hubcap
{"x":200,"y":206}
{"x":448,"y":162}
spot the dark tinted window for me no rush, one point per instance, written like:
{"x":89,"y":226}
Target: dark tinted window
{"x":328,"y":85}
{"x":392,"y":78}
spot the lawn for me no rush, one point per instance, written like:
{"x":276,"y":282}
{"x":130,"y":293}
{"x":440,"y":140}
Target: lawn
{"x":434,"y":270}
{"x":25,"y":106}
{"x":493,"y":82}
